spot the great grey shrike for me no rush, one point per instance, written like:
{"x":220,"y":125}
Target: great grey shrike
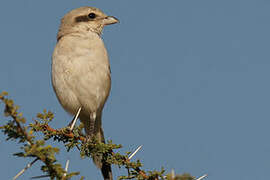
{"x":81,"y":70}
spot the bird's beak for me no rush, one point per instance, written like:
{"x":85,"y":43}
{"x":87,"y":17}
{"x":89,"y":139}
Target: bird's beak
{"x":110,"y":20}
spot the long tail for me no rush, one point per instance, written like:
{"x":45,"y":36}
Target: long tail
{"x":94,"y":129}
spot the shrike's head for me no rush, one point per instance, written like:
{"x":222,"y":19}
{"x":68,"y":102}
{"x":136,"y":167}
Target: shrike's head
{"x":84,"y":19}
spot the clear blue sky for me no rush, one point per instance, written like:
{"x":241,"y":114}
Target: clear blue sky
{"x":190,"y":82}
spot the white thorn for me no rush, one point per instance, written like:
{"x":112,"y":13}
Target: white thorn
{"x":24,"y":169}
{"x":173,"y":174}
{"x":66,"y":168}
{"x":75,"y":119}
{"x":200,"y":178}
{"x":135,"y":152}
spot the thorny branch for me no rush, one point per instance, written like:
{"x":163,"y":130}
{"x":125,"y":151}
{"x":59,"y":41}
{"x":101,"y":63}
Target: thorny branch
{"x":15,"y":129}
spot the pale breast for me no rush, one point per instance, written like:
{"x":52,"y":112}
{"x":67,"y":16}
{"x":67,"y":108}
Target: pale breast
{"x":81,"y":66}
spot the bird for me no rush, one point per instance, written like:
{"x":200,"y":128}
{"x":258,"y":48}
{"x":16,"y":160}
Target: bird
{"x":81,"y":74}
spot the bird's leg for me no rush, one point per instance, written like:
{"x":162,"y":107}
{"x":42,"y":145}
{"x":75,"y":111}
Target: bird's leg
{"x":90,"y":130}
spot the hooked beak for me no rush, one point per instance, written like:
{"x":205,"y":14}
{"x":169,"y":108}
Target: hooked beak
{"x":110,"y":20}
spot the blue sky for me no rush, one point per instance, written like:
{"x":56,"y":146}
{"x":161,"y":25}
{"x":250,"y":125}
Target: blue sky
{"x":190,"y":82}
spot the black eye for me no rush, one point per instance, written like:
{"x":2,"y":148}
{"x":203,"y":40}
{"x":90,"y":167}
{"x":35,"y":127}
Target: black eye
{"x":92,"y":15}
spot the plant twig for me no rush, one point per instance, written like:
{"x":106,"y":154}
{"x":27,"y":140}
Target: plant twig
{"x":24,"y":169}
{"x":39,"y":177}
{"x":69,"y":134}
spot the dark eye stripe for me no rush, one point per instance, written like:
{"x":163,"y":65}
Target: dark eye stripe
{"x":82,"y":19}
